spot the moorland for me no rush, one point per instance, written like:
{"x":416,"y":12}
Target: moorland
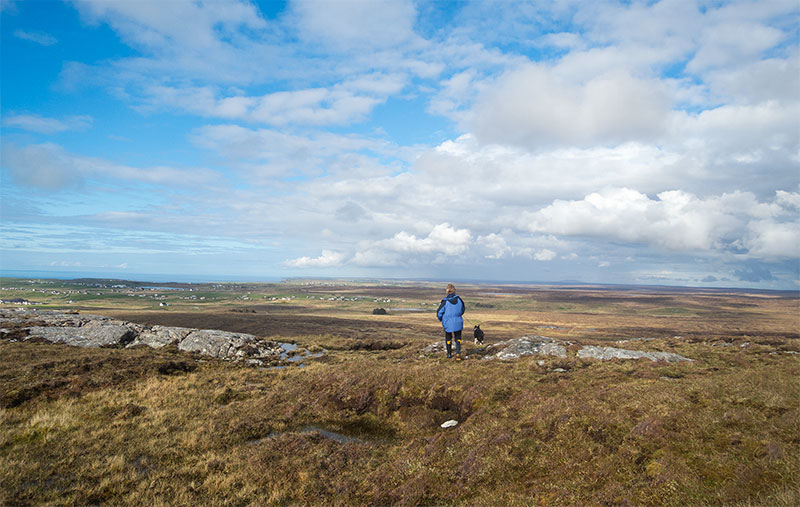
{"x":361,"y":422}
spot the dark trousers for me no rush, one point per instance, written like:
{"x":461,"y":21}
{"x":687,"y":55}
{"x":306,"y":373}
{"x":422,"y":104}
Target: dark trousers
{"x":448,"y":341}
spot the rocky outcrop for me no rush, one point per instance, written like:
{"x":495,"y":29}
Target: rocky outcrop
{"x":606,"y":353}
{"x":526,"y":346}
{"x":511,"y":349}
{"x":90,"y":334}
{"x":86,"y":330}
{"x":226,"y":345}
{"x":546,"y":346}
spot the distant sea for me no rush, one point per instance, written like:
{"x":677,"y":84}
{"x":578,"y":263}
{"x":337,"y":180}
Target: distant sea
{"x":135,"y":277}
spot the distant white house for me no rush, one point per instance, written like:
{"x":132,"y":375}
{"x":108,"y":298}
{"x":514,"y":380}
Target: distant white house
{"x":18,"y":301}
{"x":162,"y":304}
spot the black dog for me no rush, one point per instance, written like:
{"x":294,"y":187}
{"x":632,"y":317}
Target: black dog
{"x":478,"y":335}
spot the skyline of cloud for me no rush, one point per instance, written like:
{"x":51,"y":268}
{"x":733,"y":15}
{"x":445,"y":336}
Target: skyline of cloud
{"x":616,"y":142}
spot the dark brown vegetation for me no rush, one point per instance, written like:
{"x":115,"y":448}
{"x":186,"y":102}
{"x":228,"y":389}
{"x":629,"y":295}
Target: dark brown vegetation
{"x":137,"y":426}
{"x":268,"y":324}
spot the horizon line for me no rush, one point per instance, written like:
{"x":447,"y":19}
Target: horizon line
{"x":208,"y":279}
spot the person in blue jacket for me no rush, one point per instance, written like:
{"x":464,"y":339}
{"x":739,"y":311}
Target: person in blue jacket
{"x":450,"y":314}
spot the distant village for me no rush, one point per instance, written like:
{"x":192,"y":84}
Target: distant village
{"x":138,"y":291}
{"x":156,"y":293}
{"x":18,"y":301}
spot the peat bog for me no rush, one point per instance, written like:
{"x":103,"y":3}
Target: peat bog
{"x":360,"y":423}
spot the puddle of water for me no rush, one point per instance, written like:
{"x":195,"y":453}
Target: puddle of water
{"x":292,"y":347}
{"x":287,"y":347}
{"x":296,"y":358}
{"x":408,"y":310}
{"x":305,"y":355}
{"x":331,"y":435}
{"x":337,"y":437}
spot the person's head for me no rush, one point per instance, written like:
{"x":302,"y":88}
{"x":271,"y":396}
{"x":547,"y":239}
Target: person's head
{"x":451,"y":289}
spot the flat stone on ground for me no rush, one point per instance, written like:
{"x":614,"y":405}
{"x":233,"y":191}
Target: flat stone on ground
{"x":606,"y":353}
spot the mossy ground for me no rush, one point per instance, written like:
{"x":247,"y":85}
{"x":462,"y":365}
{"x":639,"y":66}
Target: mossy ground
{"x":138,"y":426}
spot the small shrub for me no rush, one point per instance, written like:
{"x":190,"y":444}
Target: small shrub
{"x":176,"y":367}
{"x":226,"y":396}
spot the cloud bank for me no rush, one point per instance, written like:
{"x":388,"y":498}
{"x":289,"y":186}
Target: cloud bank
{"x":641,"y":142}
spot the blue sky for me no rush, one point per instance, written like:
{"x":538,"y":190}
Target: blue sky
{"x":617,"y":142}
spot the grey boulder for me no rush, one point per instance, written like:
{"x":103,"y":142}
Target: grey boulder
{"x":227,"y":345}
{"x":528,"y":345}
{"x":91,"y":334}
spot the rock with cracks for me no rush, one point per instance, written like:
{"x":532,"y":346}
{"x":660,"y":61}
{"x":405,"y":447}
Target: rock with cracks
{"x":91,"y":334}
{"x":161,"y":336}
{"x":226,"y":345}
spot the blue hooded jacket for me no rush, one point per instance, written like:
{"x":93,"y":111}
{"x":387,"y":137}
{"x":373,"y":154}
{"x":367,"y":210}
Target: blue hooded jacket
{"x":450,"y":311}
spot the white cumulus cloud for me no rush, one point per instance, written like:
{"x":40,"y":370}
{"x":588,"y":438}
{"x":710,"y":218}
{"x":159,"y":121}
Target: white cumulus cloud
{"x":327,"y":259}
{"x":678,"y":221}
{"x":536,"y":106}
{"x":442,"y":242}
{"x":545,"y":255}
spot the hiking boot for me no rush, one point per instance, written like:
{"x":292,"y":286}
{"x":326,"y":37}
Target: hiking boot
{"x":449,"y":355}
{"x":458,"y":356}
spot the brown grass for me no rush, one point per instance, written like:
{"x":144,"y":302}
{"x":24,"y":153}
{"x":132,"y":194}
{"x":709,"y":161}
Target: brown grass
{"x":123,"y":427}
